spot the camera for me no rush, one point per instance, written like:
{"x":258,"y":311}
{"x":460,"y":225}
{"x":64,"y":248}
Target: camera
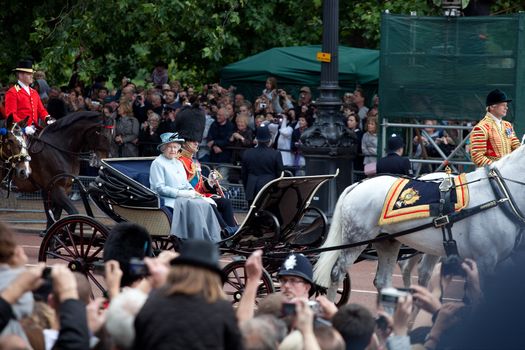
{"x":289,"y":308}
{"x":451,"y":266}
{"x":95,"y":103}
{"x":382,"y":323}
{"x":46,"y":273}
{"x":137,"y":268}
{"x":388,"y":298}
{"x":315,"y":306}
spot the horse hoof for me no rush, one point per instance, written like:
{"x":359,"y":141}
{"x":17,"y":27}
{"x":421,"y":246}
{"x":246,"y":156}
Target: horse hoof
{"x":43,"y":233}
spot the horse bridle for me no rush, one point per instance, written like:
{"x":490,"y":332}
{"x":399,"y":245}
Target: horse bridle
{"x":502,"y":190}
{"x":22,"y":156}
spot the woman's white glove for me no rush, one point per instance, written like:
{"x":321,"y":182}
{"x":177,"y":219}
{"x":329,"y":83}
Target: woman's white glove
{"x":187,"y":193}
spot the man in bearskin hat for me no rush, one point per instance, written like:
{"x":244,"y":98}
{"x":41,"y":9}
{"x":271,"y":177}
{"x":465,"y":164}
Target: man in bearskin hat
{"x":22,"y":100}
{"x":190,"y":125}
{"x":493,"y":137}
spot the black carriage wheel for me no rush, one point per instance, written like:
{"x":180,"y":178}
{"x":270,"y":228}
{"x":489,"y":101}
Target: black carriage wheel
{"x":77,"y":240}
{"x":165,"y":243}
{"x":236,"y":281}
{"x":343,"y":292}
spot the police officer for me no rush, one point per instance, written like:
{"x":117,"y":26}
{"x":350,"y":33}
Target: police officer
{"x":296,"y":277}
{"x":394,"y":162}
{"x":260,"y":165}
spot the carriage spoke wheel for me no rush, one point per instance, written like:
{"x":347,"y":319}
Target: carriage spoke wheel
{"x":165,"y":243}
{"x":343,"y":292}
{"x":236,"y":282}
{"x":78,"y":241}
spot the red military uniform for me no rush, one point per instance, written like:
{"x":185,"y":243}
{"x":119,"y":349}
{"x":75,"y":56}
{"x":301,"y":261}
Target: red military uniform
{"x":21,"y":104}
{"x":193,"y":173}
{"x":489,"y":142}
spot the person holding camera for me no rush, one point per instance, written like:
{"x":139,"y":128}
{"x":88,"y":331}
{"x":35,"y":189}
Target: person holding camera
{"x":190,"y":311}
{"x":149,"y":137}
{"x":271,"y":95}
{"x":304,"y":105}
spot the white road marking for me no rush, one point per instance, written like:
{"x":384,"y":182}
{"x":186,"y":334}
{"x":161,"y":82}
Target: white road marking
{"x":364,"y":291}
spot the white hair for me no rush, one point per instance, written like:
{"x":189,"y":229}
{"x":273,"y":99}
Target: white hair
{"x":121,"y":316}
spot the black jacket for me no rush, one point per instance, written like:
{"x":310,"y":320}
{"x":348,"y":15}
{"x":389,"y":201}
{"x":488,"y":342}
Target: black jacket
{"x":6,"y":313}
{"x":394,"y":164}
{"x":186,"y":322}
{"x":260,"y":165}
{"x":74,"y":332}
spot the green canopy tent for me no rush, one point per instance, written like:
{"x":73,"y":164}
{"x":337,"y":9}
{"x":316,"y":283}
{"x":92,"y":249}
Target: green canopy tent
{"x":297,"y":66}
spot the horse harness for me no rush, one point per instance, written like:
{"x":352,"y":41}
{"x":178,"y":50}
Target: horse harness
{"x":10,"y":161}
{"x":447,"y":216}
{"x":14,"y":158}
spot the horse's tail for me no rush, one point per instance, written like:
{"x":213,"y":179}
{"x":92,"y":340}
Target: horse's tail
{"x":327,"y":260}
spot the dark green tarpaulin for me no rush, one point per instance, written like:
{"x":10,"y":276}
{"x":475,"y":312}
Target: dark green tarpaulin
{"x":444,"y":67}
{"x":297,"y":66}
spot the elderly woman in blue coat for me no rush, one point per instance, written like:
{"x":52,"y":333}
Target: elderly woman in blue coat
{"x":193,"y":215}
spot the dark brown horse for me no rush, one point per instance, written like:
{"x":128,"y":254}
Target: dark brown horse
{"x":55,"y":159}
{"x":14,"y":156}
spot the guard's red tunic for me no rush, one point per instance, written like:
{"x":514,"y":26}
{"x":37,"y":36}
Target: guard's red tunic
{"x":193,"y":173}
{"x":20,"y":104}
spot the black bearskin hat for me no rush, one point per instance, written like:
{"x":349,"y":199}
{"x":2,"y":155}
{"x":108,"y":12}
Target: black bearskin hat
{"x":126,"y":241}
{"x":190,"y":123}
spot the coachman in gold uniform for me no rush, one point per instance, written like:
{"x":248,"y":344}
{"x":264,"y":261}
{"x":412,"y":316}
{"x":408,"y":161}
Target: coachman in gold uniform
{"x":493,"y":137}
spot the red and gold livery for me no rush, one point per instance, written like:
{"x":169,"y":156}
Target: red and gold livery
{"x":489,"y":142}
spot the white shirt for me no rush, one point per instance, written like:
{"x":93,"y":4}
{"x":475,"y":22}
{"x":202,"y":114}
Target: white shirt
{"x":496,"y":119}
{"x":24,"y":86}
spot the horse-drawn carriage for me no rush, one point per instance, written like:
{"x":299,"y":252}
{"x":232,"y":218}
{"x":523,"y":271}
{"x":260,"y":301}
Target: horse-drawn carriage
{"x":279,"y":220}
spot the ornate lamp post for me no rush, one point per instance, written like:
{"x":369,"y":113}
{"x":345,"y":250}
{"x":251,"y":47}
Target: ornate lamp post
{"x":329,"y":145}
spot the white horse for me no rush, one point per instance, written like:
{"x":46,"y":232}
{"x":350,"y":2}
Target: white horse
{"x":488,"y":237}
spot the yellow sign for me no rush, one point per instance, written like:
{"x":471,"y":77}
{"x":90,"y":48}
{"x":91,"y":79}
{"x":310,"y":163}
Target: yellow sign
{"x":324,"y":57}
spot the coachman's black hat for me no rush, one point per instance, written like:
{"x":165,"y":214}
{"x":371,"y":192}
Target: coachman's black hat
{"x":496,"y":96}
{"x":190,"y":123}
{"x":200,"y":253}
{"x":24,"y":66}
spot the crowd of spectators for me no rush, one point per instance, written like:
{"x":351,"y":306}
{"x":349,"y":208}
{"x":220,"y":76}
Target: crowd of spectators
{"x":140,"y":114}
{"x":178,"y":302}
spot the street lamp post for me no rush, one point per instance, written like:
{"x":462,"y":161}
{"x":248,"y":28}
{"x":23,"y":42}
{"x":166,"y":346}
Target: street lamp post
{"x":329,"y":145}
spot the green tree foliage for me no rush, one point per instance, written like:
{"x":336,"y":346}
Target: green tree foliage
{"x":197,"y":37}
